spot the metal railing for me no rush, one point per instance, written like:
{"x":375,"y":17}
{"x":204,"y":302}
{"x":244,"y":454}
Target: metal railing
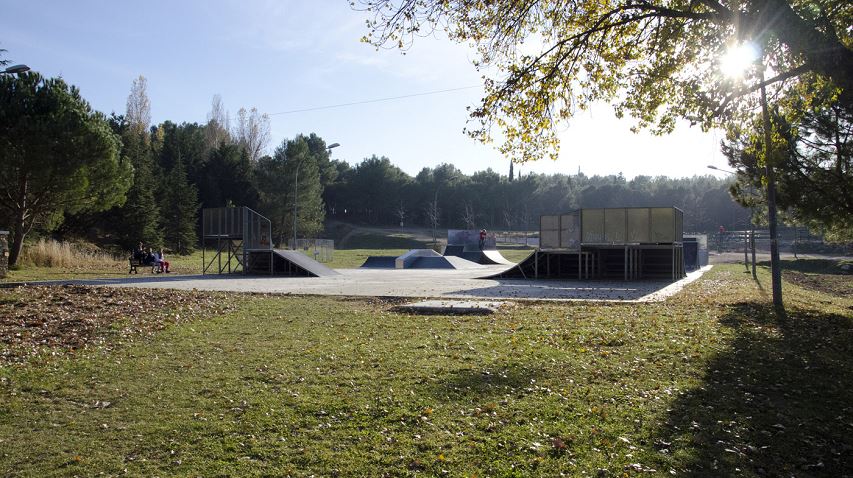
{"x":231,"y":232}
{"x":321,"y":250}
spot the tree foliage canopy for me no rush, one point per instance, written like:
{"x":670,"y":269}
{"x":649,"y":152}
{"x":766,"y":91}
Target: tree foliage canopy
{"x":814,"y":164}
{"x":374,"y":191}
{"x":657,"y":60}
{"x":56,"y":155}
{"x":290,"y":181}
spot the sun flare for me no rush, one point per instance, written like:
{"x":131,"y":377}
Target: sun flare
{"x":737,"y":59}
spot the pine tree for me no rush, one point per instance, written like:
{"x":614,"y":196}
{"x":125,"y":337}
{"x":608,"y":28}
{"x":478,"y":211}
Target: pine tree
{"x":292,"y":169}
{"x":180,"y":210}
{"x":139,"y":219}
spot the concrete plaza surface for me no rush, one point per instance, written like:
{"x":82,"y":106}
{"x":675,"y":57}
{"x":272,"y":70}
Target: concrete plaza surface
{"x":422,"y":283}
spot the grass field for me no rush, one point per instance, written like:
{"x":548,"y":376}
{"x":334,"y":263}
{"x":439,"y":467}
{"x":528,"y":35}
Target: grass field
{"x":384,"y":241}
{"x":708,"y":383}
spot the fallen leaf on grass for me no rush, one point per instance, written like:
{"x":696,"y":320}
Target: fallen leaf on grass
{"x":61,"y":319}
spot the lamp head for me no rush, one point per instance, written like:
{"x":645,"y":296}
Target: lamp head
{"x":15,"y":69}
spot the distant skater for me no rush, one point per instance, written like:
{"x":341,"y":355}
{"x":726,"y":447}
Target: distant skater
{"x":482,"y":239}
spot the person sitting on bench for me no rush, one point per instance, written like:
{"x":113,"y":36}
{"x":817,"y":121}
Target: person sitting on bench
{"x":139,"y":253}
{"x":141,"y":257}
{"x":149,"y":259}
{"x":161,"y":262}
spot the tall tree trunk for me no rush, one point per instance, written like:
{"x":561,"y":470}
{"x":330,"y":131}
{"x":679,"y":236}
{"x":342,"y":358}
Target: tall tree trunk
{"x":21,"y":206}
{"x":775,"y":264}
{"x":17,"y":238}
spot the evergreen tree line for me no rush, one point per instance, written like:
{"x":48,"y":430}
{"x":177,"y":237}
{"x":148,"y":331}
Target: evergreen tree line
{"x":179,"y":169}
{"x":377,"y":192}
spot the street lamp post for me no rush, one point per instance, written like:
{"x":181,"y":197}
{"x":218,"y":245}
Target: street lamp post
{"x":15,"y":69}
{"x":295,"y":201}
{"x":296,"y":191}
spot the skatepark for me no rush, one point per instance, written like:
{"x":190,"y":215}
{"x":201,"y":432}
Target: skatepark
{"x":244,"y":261}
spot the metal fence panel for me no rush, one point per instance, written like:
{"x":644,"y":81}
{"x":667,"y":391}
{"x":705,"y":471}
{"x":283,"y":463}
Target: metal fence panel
{"x":570,"y":231}
{"x":321,"y":250}
{"x":259,"y":231}
{"x":611,"y":226}
{"x":663,"y":224}
{"x":550,"y":222}
{"x":223,"y":221}
{"x":679,"y":226}
{"x":549,"y":232}
{"x":638,"y":225}
{"x":614,"y":225}
{"x":592,"y":222}
{"x":549,"y":239}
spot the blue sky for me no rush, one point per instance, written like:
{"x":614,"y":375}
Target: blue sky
{"x":293,"y":54}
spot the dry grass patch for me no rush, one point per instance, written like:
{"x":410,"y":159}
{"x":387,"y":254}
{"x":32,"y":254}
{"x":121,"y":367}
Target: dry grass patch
{"x":51,"y":253}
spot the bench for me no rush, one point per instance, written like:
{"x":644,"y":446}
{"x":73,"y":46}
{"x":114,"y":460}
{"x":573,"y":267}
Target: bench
{"x":134,"y":263}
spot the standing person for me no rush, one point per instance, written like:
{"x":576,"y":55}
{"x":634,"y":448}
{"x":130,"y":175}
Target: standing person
{"x":162,"y":263}
{"x":482,"y":239}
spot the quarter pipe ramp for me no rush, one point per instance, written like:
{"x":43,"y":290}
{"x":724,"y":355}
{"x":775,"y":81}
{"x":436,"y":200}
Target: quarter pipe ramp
{"x":281,"y":262}
{"x":486,"y":257}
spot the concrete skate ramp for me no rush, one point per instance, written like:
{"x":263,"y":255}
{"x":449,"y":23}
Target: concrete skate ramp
{"x":489,"y":256}
{"x":460,"y":263}
{"x":379,"y":262}
{"x":452,"y":250}
{"x":408,"y":259}
{"x":494,"y":257}
{"x":548,"y":265}
{"x":287,"y":262}
{"x":522,"y":270}
{"x":443,"y":262}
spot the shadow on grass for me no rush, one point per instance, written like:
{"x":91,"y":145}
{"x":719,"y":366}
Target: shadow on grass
{"x":778,"y":402}
{"x":832,"y":277}
{"x":815,"y":266}
{"x":484,"y":384}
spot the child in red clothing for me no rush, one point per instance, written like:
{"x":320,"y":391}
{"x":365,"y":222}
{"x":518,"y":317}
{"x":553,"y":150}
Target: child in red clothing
{"x":161,"y":261}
